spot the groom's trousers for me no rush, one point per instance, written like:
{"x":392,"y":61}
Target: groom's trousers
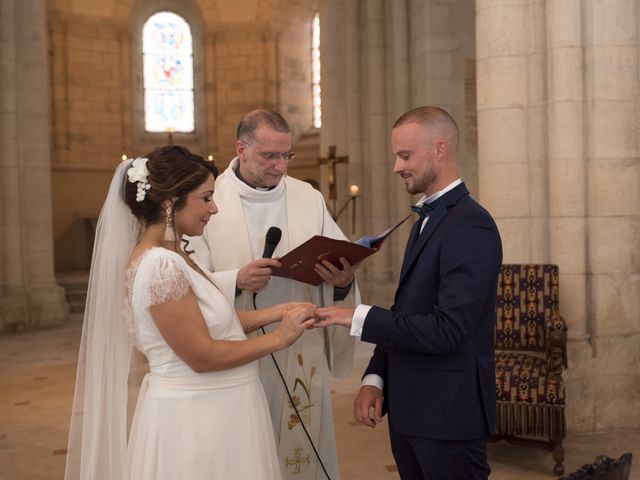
{"x":428,"y":459}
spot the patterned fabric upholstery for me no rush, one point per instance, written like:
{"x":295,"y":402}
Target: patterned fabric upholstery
{"x":527,"y":301}
{"x":530,"y":342}
{"x":524,"y":378}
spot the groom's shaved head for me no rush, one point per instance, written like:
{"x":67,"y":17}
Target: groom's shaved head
{"x":437,"y":122}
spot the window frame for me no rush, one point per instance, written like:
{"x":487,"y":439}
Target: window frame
{"x":143,"y":141}
{"x":146,"y":90}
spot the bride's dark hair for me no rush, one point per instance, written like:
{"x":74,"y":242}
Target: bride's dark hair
{"x":173,"y":172}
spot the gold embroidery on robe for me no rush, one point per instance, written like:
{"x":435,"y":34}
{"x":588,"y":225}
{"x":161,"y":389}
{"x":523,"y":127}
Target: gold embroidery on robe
{"x":297,"y":461}
{"x":304,"y":405}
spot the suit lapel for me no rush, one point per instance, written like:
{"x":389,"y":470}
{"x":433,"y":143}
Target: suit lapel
{"x":415,"y":247}
{"x":412,"y":253}
{"x":413,"y":236}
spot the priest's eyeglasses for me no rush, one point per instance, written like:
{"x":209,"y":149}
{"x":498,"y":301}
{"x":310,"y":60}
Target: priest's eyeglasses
{"x":273,"y":156}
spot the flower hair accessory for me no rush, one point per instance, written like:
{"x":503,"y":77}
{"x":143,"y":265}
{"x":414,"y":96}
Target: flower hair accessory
{"x":138,"y":173}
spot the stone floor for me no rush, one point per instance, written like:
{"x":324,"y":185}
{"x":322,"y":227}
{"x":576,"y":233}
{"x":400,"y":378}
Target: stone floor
{"x":37,"y":372}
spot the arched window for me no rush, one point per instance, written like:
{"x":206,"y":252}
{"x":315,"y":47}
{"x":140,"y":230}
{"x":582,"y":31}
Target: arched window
{"x":167,"y":52}
{"x":315,"y":71}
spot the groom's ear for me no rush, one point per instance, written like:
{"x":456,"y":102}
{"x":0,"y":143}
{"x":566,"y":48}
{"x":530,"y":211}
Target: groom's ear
{"x":442,"y":149}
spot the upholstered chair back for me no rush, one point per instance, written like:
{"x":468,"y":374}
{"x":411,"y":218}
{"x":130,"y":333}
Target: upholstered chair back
{"x":526,"y":307}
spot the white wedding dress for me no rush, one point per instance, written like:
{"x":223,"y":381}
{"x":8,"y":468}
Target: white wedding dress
{"x":190,"y":425}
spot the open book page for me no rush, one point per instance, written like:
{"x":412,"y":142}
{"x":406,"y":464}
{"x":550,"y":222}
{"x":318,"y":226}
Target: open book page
{"x":375,"y":242}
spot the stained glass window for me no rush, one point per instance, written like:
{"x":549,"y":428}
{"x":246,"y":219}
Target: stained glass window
{"x":167,"y":53}
{"x":315,"y":71}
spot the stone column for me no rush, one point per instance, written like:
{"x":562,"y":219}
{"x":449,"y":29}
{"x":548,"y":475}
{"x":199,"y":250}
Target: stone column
{"x":397,"y":58}
{"x":376,"y":146}
{"x":375,"y":143}
{"x":398,"y":102}
{"x":358,"y":94}
{"x":537,"y":155}
{"x":433,"y":49}
{"x":334,"y":31}
{"x":510,"y":179}
{"x":613,"y":205}
{"x":351,"y":103}
{"x":333,"y":34}
{"x":13,"y":308}
{"x":34,"y":299}
{"x":441,"y":47}
{"x":567,"y":173}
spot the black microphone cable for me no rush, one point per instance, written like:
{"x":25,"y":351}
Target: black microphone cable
{"x":271,"y":242}
{"x":295,"y":409}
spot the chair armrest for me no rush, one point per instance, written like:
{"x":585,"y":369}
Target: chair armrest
{"x":556,"y":346}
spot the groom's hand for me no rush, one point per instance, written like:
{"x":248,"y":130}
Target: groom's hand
{"x":367,"y":407}
{"x":334,"y":316}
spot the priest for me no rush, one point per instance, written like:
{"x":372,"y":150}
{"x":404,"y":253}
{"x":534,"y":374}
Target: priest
{"x":253,"y":195}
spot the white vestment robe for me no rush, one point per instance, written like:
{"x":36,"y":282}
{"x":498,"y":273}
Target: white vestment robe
{"x":234,"y":237}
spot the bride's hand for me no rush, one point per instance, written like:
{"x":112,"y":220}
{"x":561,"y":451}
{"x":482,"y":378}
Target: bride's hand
{"x":295,"y":321}
{"x":283,"y":308}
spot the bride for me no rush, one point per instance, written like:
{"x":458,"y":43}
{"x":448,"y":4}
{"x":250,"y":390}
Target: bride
{"x":201,"y":411}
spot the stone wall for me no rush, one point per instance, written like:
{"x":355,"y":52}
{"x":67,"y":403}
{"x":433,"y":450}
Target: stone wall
{"x":243,"y":78}
{"x":558,"y":102}
{"x":242,"y":60}
{"x":91,"y":92}
{"x":557,"y":159}
{"x":91,"y":122}
{"x":381,"y":59}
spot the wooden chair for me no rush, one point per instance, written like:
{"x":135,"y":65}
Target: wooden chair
{"x":530,"y":342}
{"x":604,"y":468}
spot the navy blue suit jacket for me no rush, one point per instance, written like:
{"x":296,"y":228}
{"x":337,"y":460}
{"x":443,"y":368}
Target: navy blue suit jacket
{"x":435,"y":347}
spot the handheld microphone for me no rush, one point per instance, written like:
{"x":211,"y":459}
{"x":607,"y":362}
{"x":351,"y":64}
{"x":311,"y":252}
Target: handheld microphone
{"x":271,"y":240}
{"x":274,"y":234}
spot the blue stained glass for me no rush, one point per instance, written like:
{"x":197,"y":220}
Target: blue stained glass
{"x":166,"y":32}
{"x":173,"y":108}
{"x":168,"y":74}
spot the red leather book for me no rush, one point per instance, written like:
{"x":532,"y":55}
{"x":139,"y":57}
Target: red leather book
{"x":298,"y":263}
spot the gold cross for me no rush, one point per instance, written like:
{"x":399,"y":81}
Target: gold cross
{"x":331,"y":160}
{"x":297,"y":461}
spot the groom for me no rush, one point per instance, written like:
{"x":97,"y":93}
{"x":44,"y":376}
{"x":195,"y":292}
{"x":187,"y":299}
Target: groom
{"x":433,"y":366}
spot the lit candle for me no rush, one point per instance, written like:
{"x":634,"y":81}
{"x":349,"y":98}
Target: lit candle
{"x":124,"y":157}
{"x":353,"y":192}
{"x":210,"y":157}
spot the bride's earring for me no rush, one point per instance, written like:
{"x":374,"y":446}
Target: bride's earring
{"x":169,"y":232}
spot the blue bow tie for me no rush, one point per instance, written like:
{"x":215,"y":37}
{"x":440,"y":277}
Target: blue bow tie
{"x":423,"y":210}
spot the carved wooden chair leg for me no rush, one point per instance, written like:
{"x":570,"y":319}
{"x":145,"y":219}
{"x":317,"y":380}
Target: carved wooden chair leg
{"x":558,"y":457}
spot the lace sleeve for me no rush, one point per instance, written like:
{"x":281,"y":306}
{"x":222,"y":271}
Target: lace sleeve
{"x":163,"y":278}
